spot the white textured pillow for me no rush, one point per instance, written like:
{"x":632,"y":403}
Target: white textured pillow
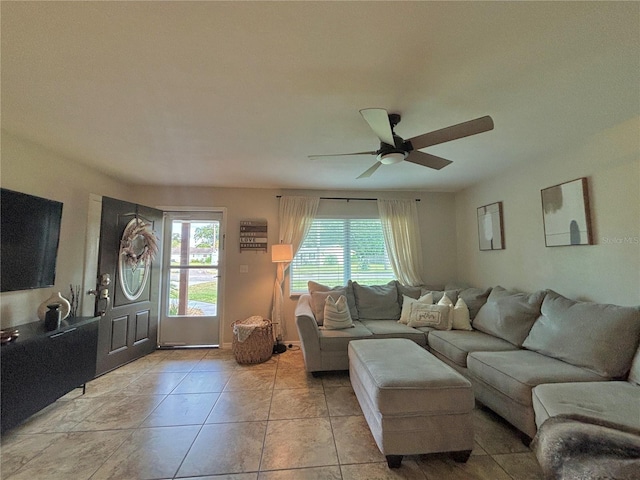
{"x":406,"y":306}
{"x":436,"y":316}
{"x":445,"y":300}
{"x":461,"y":320}
{"x":336,"y":314}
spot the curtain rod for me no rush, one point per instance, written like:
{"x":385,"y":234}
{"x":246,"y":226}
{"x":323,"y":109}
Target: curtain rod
{"x":349,"y":198}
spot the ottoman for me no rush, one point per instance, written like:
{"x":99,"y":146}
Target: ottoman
{"x":413,"y":402}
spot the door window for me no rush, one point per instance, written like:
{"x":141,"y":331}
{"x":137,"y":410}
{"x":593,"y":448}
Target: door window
{"x":193,"y":271}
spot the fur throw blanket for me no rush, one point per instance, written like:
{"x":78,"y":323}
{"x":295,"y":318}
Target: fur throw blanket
{"x":575,"y":447}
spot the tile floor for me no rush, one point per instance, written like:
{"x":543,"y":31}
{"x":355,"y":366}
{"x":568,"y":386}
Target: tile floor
{"x":198,"y":414}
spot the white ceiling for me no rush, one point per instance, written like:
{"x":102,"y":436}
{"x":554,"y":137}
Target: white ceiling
{"x":239,"y":93}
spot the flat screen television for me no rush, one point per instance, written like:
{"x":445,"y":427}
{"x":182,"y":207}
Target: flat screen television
{"x":30,"y":233}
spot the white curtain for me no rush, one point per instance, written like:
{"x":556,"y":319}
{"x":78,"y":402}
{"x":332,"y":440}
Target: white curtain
{"x":296,"y":217}
{"x":402,"y":238}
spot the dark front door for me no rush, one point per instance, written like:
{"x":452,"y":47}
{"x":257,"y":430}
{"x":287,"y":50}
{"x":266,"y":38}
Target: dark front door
{"x":128,"y":286}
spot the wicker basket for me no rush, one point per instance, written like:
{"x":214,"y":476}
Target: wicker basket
{"x":257,"y":348}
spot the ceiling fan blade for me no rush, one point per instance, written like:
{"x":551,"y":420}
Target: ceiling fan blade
{"x":427,"y":160}
{"x":370,"y":171}
{"x":461,"y":130}
{"x":313,"y":157}
{"x":378,"y":120}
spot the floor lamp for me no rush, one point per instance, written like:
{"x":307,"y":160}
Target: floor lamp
{"x":281,"y":254}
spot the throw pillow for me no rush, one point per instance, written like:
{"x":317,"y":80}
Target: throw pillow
{"x":319,"y":299}
{"x":634,"y":372}
{"x":509,"y":315}
{"x":600,"y":337}
{"x":461,"y":320}
{"x":377,"y":302}
{"x":408,"y":291}
{"x":424,"y":315}
{"x":438,"y":294}
{"x":336,"y":314}
{"x":351,"y":300}
{"x":475,"y":298}
{"x":446,"y":301}
{"x":406,"y":306}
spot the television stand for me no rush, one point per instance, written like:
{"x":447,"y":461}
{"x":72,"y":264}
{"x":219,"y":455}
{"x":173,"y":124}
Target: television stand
{"x":39,"y":367}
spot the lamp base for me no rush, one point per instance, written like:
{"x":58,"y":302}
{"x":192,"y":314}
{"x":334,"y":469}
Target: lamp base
{"x":279,"y":348}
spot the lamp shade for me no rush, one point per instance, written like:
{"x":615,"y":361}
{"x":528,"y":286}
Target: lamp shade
{"x":391,"y":158}
{"x":281,"y":252}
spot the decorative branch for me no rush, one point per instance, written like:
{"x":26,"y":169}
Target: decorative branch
{"x":74,"y":300}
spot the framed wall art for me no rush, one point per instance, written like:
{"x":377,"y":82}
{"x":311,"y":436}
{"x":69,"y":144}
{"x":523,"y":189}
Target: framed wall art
{"x":565,"y":213}
{"x":491,"y":227}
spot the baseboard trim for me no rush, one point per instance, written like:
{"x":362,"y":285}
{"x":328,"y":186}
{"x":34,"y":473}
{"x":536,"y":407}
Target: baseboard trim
{"x":229,"y":346}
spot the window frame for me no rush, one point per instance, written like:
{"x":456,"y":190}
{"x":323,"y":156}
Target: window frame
{"x":347,"y":273}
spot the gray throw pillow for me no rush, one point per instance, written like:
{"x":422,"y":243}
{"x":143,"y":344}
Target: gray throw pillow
{"x":319,"y":299}
{"x":438,"y":294}
{"x":599,"y":337}
{"x":348,"y":292}
{"x":412,"y":292}
{"x":377,"y":302}
{"x":509,"y":315}
{"x":475,"y":298}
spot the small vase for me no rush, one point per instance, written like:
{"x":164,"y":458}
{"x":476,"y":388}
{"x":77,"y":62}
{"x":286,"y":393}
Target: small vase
{"x":52,"y":317}
{"x":65,"y":307}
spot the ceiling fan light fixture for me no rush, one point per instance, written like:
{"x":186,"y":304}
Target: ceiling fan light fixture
{"x":391,"y":158}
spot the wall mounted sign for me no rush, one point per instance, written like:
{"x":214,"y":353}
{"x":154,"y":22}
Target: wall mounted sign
{"x":253,"y":236}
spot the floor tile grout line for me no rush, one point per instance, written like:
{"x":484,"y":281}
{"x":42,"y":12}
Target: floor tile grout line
{"x":335,"y":445}
{"x":175,"y":474}
{"x":133,"y":430}
{"x":202,"y":425}
{"x":335,"y":382}
{"x":266,"y":430}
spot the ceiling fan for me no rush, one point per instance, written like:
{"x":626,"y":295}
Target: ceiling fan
{"x":394,"y":149}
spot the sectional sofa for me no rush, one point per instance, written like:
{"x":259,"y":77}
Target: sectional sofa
{"x":529,"y":356}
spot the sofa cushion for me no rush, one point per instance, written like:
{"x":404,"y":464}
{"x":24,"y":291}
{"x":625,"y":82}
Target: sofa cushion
{"x":408,"y":381}
{"x":377,"y":302}
{"x":475,"y":298}
{"x":338,"y":340}
{"x":456,"y":344}
{"x":509,"y":315}
{"x":515,"y":373}
{"x":393,"y":329}
{"x":615,"y":402}
{"x":336,"y":314}
{"x":600,"y":337}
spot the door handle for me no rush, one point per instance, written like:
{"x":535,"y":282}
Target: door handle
{"x":104,"y":295}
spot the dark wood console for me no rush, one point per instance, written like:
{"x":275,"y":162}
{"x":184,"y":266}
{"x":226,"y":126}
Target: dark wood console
{"x":39,"y":366}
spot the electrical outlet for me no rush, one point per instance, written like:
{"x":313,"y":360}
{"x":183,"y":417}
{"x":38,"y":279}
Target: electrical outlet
{"x":244,"y":268}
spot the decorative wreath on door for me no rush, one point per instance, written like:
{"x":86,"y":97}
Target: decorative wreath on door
{"x":139,"y":243}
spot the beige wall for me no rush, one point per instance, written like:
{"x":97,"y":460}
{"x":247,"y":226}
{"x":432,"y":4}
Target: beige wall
{"x":247,"y":294}
{"x":608,"y":271}
{"x":29,"y":168}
